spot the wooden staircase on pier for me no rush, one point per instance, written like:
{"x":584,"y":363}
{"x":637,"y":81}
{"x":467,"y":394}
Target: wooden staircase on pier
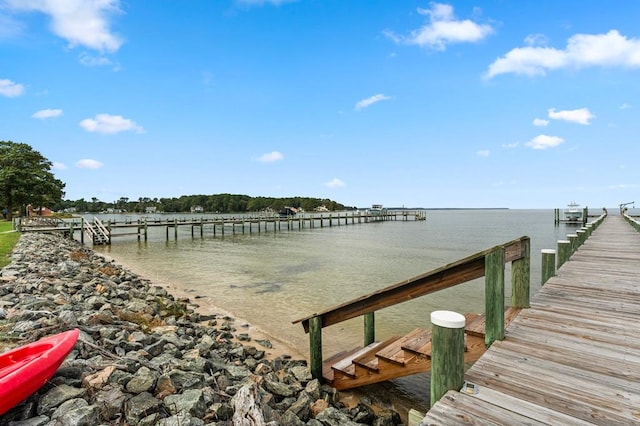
{"x":98,"y":233}
{"x":400,"y":355}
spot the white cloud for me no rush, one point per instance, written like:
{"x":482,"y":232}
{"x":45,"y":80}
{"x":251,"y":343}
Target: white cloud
{"x":536,"y":40}
{"x":583,"y":50}
{"x":94,"y":61}
{"x":443,"y":29}
{"x":625,"y":106}
{"x":335,"y":183}
{"x":9,"y":27}
{"x":370,"y":101}
{"x":580,"y":116}
{"x":544,"y":141}
{"x":271,"y":157}
{"x":483,"y":153}
{"x":110,"y":124}
{"x":511,"y":145}
{"x":540,"y":122}
{"x":80,"y":22}
{"x":47,"y":113}
{"x":58,"y":166}
{"x":88,"y":164}
{"x":10,"y":89}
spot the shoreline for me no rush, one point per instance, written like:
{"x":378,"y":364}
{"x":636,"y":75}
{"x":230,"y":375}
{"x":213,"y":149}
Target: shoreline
{"x":281,"y":348}
{"x":204,"y":306}
{"x":143,"y":354}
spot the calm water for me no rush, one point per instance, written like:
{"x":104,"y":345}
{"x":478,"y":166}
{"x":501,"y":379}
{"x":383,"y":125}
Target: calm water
{"x":273,"y":278}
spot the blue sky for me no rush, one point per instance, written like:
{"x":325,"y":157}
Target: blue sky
{"x":495,"y":103}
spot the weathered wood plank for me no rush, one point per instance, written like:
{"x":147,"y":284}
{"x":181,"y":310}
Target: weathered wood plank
{"x":574,"y":356}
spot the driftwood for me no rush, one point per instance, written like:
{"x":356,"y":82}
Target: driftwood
{"x":246,"y":408}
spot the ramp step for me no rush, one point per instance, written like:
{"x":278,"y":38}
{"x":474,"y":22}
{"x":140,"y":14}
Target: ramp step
{"x":327,"y":370}
{"x":346,"y":366}
{"x":419,"y":342}
{"x":394,"y":353}
{"x":368,"y":360}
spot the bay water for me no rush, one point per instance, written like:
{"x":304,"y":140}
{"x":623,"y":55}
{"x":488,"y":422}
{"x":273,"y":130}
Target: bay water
{"x":272,"y":278}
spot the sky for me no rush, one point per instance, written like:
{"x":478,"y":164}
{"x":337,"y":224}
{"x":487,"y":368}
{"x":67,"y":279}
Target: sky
{"x":488,"y":103}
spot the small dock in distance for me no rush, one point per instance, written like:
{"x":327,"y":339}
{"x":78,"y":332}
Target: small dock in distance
{"x":573,"y":357}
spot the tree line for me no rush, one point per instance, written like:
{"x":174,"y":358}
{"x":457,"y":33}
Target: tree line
{"x":215,"y":203}
{"x":26,"y":179}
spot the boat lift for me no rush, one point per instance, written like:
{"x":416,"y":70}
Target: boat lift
{"x":623,"y":206}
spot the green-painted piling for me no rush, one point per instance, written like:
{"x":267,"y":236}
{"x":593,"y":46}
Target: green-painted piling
{"x":315,"y":347}
{"x":369,"y":328}
{"x":520,"y":278}
{"x":494,"y":295}
{"x":564,"y":252}
{"x":548,"y":265}
{"x":447,"y":353}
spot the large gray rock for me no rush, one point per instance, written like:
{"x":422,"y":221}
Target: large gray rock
{"x":142,"y":381}
{"x":110,"y":401}
{"x":334,"y":417}
{"x":140,"y":406}
{"x":191,"y":402}
{"x":56,"y":396}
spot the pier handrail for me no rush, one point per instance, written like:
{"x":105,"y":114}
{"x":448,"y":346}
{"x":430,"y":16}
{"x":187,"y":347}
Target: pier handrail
{"x":452,"y":274}
{"x":488,"y":263}
{"x":88,"y":229}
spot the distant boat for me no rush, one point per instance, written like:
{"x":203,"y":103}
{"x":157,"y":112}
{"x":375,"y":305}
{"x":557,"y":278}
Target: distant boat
{"x":573,"y":213}
{"x":376,"y":209}
{"x":288,"y":212}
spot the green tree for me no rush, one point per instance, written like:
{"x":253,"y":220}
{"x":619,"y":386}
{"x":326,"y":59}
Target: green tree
{"x":26,"y":178}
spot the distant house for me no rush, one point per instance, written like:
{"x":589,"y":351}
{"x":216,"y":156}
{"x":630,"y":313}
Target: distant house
{"x":322,"y":208}
{"x":197,"y":209}
{"x":151,"y":209}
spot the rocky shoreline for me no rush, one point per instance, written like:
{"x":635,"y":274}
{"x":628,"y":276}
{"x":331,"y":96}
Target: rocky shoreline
{"x":147,"y":358}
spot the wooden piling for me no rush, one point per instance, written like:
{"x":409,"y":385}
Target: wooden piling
{"x":564,"y":252}
{"x":369,"y":329}
{"x":573,"y":240}
{"x":582,"y":236}
{"x":494,"y":295}
{"x":447,"y":353}
{"x":520,"y":278}
{"x":315,"y":347}
{"x":548,"y":265}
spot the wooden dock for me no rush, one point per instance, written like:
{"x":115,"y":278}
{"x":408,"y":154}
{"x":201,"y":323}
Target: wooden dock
{"x":102,"y":231}
{"x":573,"y":357}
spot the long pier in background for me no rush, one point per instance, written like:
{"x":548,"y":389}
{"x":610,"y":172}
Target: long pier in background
{"x":573,"y":356}
{"x":103,"y":231}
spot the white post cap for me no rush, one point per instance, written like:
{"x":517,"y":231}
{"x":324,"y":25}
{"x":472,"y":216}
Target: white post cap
{"x":447,"y":319}
{"x":548,"y":251}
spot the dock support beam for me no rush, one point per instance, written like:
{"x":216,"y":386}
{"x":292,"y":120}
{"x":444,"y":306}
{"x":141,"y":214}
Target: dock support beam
{"x":564,"y":252}
{"x":494,"y":295}
{"x":548,"y":265}
{"x":315,"y":347}
{"x":369,"y":329}
{"x":447,"y":353}
{"x":520,"y":278}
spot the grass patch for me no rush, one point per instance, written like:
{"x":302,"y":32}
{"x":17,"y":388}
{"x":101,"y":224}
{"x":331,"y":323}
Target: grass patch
{"x":7,"y":241}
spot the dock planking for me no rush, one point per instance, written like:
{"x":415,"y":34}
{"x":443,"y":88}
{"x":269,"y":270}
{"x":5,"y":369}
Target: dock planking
{"x":573,"y":357}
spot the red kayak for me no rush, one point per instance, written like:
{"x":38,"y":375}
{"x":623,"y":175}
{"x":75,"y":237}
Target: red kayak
{"x":25,"y":369}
